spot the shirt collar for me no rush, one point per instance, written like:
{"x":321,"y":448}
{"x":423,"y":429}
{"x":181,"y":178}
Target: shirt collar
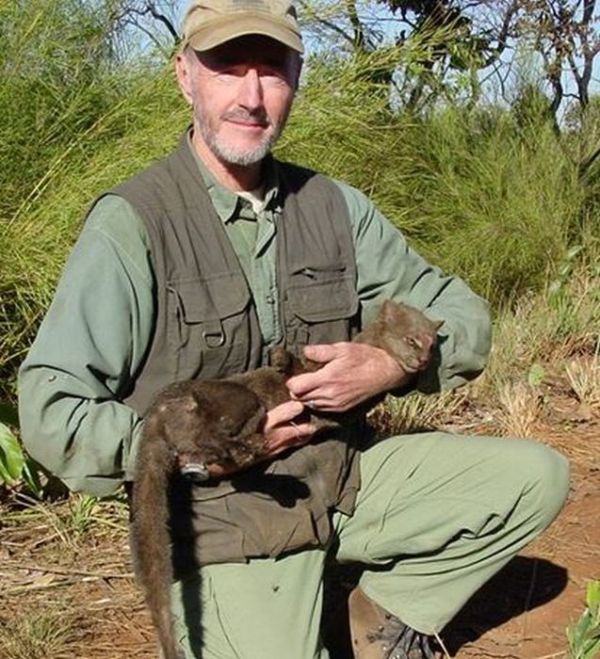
{"x":227,"y":203}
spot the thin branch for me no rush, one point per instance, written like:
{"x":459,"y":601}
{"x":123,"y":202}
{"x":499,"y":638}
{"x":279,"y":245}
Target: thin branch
{"x":149,"y":8}
{"x":70,"y":572}
{"x":502,"y":38}
{"x":146,"y":31}
{"x":588,"y":11}
{"x":359,"y":33}
{"x":329,"y":24}
{"x":164,"y":20}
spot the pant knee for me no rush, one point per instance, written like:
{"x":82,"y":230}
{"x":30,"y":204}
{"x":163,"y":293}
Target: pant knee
{"x":548,"y":477}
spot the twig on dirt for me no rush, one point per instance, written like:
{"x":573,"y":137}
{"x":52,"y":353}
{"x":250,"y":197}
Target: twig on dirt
{"x":6,"y":574}
{"x":441,"y":643}
{"x":494,"y":655}
{"x":113,"y":525}
{"x":42,"y":541}
{"x":83,"y":573}
{"x":529,"y":596}
{"x":48,"y":586}
{"x":551,"y":656}
{"x":460,"y":428}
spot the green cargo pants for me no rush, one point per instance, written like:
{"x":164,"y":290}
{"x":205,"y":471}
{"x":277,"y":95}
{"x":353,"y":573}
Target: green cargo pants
{"x":443,"y":513}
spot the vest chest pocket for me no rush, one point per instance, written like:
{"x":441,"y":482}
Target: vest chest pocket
{"x":324,"y":305}
{"x":208,"y":326}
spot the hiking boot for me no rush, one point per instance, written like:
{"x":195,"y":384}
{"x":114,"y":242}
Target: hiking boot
{"x":378,"y":634}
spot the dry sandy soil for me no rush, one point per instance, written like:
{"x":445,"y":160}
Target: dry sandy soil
{"x":67,"y":589}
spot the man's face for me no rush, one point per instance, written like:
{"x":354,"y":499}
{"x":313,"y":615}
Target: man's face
{"x":241,"y":93}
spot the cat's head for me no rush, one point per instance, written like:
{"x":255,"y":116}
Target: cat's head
{"x":411,"y":335}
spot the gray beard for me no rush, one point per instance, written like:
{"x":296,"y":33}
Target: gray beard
{"x":232,"y":155}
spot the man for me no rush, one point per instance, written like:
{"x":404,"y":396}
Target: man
{"x":195,"y":268}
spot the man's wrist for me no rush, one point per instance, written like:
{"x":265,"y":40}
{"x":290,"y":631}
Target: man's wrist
{"x":400,"y":381}
{"x":397,"y":375}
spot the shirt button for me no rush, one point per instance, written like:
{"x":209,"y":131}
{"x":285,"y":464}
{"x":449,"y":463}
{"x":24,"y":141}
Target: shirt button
{"x":270,"y":299}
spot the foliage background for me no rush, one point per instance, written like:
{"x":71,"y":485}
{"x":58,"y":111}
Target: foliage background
{"x":489,"y":190}
{"x":500,"y":188}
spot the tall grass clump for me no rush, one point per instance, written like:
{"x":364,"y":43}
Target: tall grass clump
{"x":582,"y":142}
{"x":37,"y":634}
{"x":57,"y":81}
{"x":493,"y":195}
{"x":77,"y":120}
{"x":497,"y":201}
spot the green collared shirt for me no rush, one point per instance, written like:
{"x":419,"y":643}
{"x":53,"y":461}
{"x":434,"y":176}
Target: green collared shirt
{"x":98,"y":328}
{"x":253,"y":238}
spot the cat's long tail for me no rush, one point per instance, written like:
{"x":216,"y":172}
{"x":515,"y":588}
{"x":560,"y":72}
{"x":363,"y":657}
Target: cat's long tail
{"x":150,"y":538}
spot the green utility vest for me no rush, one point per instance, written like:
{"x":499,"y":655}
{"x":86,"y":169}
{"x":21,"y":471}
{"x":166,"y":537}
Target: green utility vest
{"x":206,"y":327}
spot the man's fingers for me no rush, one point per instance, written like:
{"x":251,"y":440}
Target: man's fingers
{"x":322,"y":352}
{"x":303,"y":387}
{"x":292,"y":434}
{"x":300,"y":386}
{"x":283,"y":413}
{"x":283,"y":428}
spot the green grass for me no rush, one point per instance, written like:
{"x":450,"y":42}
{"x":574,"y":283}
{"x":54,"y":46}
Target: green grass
{"x":38,"y":635}
{"x":487,"y":193}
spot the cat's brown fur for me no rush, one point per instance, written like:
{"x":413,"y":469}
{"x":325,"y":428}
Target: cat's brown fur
{"x":403,"y":332}
{"x":220,"y":422}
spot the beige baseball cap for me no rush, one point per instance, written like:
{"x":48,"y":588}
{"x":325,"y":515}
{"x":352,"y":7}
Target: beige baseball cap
{"x":209,"y":23}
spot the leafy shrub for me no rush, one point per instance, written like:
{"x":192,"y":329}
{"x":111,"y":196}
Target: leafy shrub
{"x":584,"y":635}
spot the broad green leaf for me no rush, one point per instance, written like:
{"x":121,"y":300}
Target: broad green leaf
{"x":593,"y":595}
{"x":31,"y":477}
{"x":584,"y":635}
{"x":12,"y":458}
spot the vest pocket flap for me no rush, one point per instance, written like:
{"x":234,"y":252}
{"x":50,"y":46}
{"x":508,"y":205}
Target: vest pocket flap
{"x":319,"y":301}
{"x":217,"y":297}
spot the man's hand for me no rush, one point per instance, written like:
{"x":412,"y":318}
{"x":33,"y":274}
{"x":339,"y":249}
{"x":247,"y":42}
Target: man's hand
{"x":283,"y":430}
{"x":353,"y":373}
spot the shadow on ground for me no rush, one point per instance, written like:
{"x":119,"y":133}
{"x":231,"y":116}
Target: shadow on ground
{"x":523,"y":584}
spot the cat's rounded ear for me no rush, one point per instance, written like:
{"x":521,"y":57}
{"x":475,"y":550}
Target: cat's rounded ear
{"x":281,"y":360}
{"x":390,"y":309}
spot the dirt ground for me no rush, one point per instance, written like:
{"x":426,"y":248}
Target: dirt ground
{"x":67,"y":590}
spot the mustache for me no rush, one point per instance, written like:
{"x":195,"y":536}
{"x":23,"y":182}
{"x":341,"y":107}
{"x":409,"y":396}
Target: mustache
{"x":240,"y":114}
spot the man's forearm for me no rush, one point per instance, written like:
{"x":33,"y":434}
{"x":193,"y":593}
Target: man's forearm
{"x":465,"y":338}
{"x":88,"y":444}
{"x":84,"y":357}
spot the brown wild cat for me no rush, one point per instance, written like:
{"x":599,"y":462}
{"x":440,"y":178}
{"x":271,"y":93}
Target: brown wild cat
{"x":194,"y":423}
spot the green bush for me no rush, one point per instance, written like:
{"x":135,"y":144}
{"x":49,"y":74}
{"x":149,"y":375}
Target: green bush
{"x":584,"y":635}
{"x":17,"y":470}
{"x":73,"y":113}
{"x":491,"y":194}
